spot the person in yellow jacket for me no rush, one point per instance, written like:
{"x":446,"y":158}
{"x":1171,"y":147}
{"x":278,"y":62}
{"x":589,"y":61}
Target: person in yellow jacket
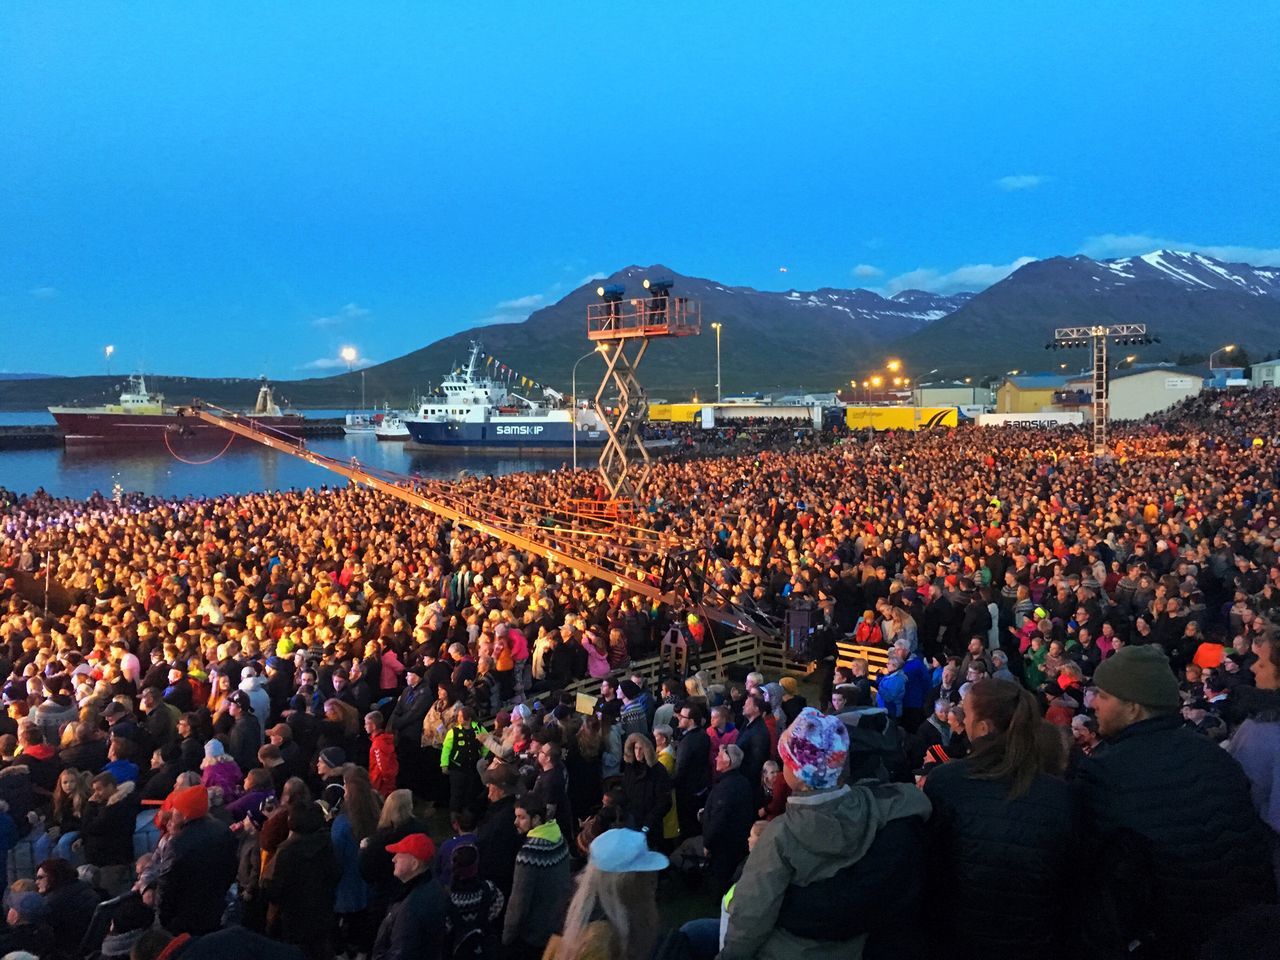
{"x":460,"y":757}
{"x":662,"y":736}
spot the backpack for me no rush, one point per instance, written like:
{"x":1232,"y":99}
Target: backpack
{"x":466,"y":748}
{"x":473,"y":940}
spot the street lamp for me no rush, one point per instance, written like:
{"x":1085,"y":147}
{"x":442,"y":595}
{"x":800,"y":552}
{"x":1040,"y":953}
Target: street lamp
{"x":1227,"y":349}
{"x":716,"y":328}
{"x":894,"y":366}
{"x":108,"y":351}
{"x":573,"y":389}
{"x":349,"y":355}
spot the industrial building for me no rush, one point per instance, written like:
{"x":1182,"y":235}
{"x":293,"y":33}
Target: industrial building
{"x":951,"y":393}
{"x":1029,"y":393}
{"x":1134,"y":393}
{"x":1265,"y":374}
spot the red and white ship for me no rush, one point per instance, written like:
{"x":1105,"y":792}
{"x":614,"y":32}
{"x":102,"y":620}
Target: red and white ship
{"x":142,"y":417}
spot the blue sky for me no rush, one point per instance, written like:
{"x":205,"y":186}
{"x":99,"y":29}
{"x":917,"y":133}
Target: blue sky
{"x":233,"y":188}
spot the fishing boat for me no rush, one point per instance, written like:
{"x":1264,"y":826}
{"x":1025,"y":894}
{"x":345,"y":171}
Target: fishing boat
{"x":393,"y":427}
{"x":472,"y":411}
{"x":141,"y":416}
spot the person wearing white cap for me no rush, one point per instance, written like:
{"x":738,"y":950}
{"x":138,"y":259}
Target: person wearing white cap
{"x":614,"y":911}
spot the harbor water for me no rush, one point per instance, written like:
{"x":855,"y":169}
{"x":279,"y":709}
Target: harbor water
{"x":245,"y":467}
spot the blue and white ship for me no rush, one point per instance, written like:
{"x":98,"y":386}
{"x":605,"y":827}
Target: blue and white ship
{"x":472,"y":411}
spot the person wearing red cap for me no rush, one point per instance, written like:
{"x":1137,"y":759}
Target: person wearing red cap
{"x":413,"y":929}
{"x":191,"y":892}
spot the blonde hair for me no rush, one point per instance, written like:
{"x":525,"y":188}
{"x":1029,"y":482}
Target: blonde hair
{"x":397,"y":809}
{"x":628,"y":905}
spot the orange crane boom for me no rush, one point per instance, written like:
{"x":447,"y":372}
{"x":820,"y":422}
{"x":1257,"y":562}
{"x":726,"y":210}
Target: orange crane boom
{"x":403,"y":488}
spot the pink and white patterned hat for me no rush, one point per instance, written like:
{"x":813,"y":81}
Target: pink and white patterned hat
{"x":814,"y":749}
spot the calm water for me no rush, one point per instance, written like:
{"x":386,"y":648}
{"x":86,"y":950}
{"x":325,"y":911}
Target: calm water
{"x":245,"y":467}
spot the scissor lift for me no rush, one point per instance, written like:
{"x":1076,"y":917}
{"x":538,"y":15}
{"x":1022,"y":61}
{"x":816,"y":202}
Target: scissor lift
{"x":627,"y":325}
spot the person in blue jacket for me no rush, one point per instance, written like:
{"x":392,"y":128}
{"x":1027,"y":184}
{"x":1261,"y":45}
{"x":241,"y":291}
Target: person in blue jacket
{"x":891,"y":691}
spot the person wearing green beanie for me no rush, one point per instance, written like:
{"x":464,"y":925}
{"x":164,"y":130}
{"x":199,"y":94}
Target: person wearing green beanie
{"x":1133,"y":684}
{"x":1172,"y":836}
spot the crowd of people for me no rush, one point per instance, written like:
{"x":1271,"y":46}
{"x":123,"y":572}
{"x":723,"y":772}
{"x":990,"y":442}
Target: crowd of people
{"x":326,"y":723}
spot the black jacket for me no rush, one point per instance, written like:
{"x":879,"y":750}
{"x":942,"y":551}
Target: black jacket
{"x":413,"y":929}
{"x":235,"y":942}
{"x":1176,"y":843}
{"x":1001,"y":867}
{"x":245,"y":739}
{"x":70,"y":910}
{"x":499,"y":842}
{"x":107,"y":828}
{"x":726,"y":821}
{"x":648,"y":792}
{"x":693,"y":764}
{"x":407,"y":715}
{"x":198,"y":870}
{"x":302,"y":884}
{"x":755,"y":744}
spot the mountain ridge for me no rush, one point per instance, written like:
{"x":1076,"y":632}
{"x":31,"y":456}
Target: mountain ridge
{"x":805,"y":339}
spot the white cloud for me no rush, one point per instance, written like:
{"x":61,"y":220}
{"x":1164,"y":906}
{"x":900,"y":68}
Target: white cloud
{"x":1021,"y":181}
{"x":1110,"y":245}
{"x":44,"y":293}
{"x":974,"y":276}
{"x":498,"y":318}
{"x":349,"y":313}
{"x":592,"y":278}
{"x":866,"y":271}
{"x":522,"y":303}
{"x":336,"y":363}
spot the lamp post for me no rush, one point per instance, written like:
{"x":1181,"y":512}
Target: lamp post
{"x":1227,"y":349}
{"x":716,"y":328}
{"x":349,"y":355}
{"x":573,"y":389}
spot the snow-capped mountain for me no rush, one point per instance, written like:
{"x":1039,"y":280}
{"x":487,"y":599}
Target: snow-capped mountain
{"x":1196,"y":271}
{"x":1193,"y":302}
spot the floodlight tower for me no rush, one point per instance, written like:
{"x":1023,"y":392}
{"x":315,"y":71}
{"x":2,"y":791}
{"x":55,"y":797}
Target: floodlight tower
{"x":1067,"y":338}
{"x":629,"y":325}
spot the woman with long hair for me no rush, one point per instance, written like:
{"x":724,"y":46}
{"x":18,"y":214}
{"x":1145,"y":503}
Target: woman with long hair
{"x":70,"y":797}
{"x":340,"y":726}
{"x":356,"y":822}
{"x":646,"y":785}
{"x":614,"y":910}
{"x":1005,"y":829}
{"x":220,"y":690}
{"x":395,"y":822}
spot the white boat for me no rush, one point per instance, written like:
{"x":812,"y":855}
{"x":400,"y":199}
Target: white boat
{"x":361,"y":424}
{"x":472,"y":411}
{"x":393,"y":427}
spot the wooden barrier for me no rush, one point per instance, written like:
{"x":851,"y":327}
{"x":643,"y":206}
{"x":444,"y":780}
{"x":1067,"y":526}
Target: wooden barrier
{"x":876,"y":657}
{"x":744,"y":649}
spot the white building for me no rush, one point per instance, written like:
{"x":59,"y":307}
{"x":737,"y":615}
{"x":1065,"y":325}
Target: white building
{"x":1138,"y":392}
{"x":951,"y":393}
{"x":1265,"y":374}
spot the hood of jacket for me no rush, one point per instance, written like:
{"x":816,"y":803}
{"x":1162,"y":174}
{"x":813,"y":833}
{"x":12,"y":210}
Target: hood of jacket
{"x":253,"y":684}
{"x":825,"y":831}
{"x":310,"y":846}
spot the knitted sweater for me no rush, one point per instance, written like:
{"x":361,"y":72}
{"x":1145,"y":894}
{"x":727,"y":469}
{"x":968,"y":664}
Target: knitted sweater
{"x":540,"y":888}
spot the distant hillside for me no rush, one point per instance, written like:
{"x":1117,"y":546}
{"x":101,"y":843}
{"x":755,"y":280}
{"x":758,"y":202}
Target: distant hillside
{"x":768,"y":340}
{"x":791,"y":339}
{"x":1193,"y":303}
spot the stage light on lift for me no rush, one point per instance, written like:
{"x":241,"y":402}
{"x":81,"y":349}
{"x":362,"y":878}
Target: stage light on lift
{"x":658,"y":288}
{"x":611,"y":293}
